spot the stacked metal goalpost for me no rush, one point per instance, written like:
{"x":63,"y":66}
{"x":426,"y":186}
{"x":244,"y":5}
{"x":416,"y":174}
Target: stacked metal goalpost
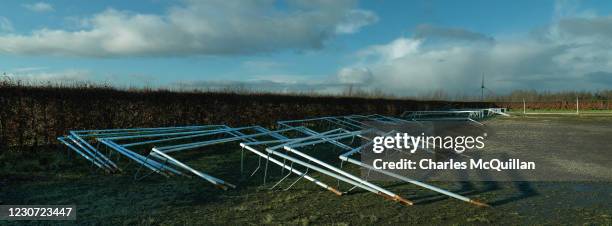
{"x":292,"y":147}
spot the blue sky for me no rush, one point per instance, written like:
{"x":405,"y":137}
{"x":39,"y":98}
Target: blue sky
{"x":399,"y":47}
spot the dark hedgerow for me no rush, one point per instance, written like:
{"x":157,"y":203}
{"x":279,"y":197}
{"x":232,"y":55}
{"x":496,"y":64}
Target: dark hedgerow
{"x":33,"y":116}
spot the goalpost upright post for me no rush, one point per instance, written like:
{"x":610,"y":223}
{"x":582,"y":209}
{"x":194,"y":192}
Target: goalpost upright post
{"x":577,"y":108}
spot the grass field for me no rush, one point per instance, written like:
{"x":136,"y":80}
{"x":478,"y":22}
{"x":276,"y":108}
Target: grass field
{"x":562,"y":112}
{"x":120,"y":199}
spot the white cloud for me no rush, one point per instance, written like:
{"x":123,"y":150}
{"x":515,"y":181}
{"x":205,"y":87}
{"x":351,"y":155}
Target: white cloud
{"x":27,"y":69}
{"x":354,"y":75}
{"x":212,"y":27}
{"x":38,"y":75}
{"x":5,"y":25}
{"x":565,"y":8}
{"x":354,"y":20}
{"x":398,"y":48}
{"x":572,"y":53}
{"x":39,"y":7}
{"x":452,"y":34}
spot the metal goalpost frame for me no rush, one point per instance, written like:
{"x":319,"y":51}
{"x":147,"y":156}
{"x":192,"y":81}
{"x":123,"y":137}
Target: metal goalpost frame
{"x":334,"y":172}
{"x":357,"y":127}
{"x":113,"y":142}
{"x":552,"y":113}
{"x":447,"y":115}
{"x":346,"y":157}
{"x":337,"y":172}
{"x":83,"y":142}
{"x":472,"y":115}
{"x":292,"y":148}
{"x":161,"y":152}
{"x":153,"y":148}
{"x":159,"y":160}
{"x":486,"y":112}
{"x":252,"y":147}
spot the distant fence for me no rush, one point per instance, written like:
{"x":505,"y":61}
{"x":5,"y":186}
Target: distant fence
{"x":558,"y":105}
{"x":31,"y":117}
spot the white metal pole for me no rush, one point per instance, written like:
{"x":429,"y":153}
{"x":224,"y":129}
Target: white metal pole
{"x":218,"y":182}
{"x":330,"y":188}
{"x":415,"y":182}
{"x":577,"y":107}
{"x":379,"y":190}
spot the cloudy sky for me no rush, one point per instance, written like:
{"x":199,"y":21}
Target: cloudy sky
{"x":399,"y":47}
